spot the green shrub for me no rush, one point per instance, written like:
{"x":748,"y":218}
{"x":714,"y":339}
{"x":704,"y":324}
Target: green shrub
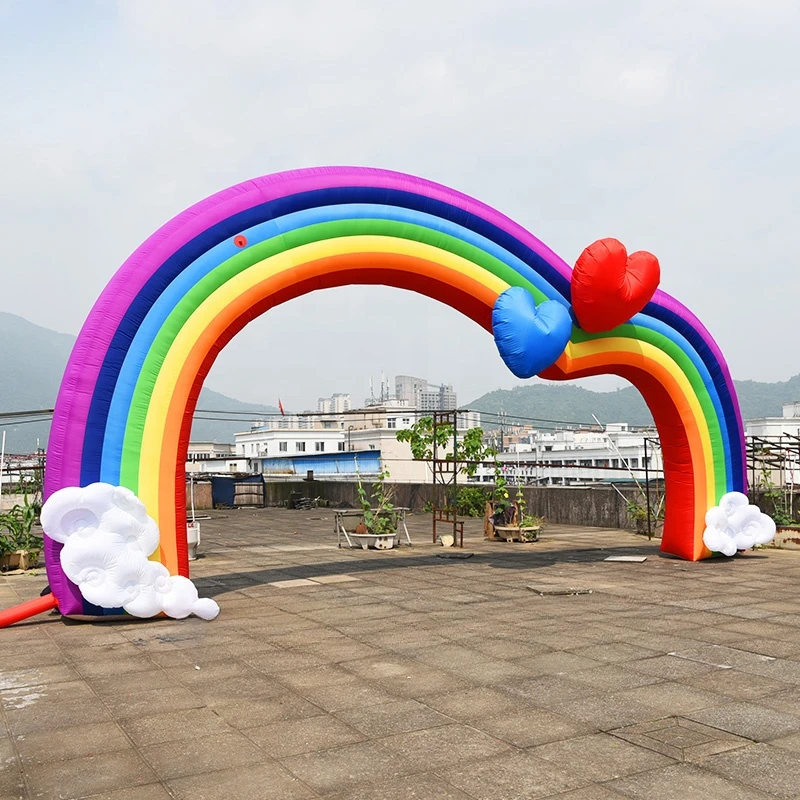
{"x":471,"y":502}
{"x":15,"y":529}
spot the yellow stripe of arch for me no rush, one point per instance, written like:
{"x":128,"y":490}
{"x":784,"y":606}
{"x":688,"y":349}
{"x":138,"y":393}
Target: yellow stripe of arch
{"x":150,"y":478}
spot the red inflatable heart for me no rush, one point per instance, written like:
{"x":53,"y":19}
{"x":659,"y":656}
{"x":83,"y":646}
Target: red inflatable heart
{"x":609,"y":286}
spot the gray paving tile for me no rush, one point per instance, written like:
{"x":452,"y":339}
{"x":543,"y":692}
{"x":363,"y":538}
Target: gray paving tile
{"x":73,"y":742}
{"x":423,"y":786}
{"x":672,"y":698}
{"x":606,"y":712}
{"x":343,"y":768}
{"x":473,"y":704}
{"x":80,"y":777}
{"x":774,"y":771}
{"x":174,"y":726}
{"x":145,"y":704}
{"x":600,"y":757}
{"x":611,"y":678}
{"x":269,"y":781}
{"x":510,"y":777}
{"x":737,"y":685}
{"x":346,"y":695}
{"x":434,"y":748}
{"x":593,"y":792}
{"x":386,"y":719}
{"x":196,"y":755}
{"x":681,"y":739}
{"x":56,"y":715}
{"x":749,"y":720}
{"x":150,"y":791}
{"x":412,"y":633}
{"x":37,"y":676}
{"x":681,"y":782}
{"x":614,"y":652}
{"x":531,"y":726}
{"x":671,"y":667}
{"x":293,"y":737}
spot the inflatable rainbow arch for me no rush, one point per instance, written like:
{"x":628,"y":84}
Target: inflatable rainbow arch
{"x":124,"y":410}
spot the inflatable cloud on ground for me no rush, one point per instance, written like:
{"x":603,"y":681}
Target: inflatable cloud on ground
{"x":736,"y":525}
{"x":107,"y":537}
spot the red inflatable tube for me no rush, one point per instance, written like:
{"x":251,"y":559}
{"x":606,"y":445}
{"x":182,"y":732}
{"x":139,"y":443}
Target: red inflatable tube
{"x":29,"y":609}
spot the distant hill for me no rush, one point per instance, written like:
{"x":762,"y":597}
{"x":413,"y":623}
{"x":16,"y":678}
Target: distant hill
{"x":567,"y":403}
{"x":32,"y":361}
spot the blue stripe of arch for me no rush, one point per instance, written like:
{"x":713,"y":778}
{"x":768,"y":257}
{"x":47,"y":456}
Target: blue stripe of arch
{"x":159,"y":312}
{"x":173,"y":266}
{"x":101,"y":401}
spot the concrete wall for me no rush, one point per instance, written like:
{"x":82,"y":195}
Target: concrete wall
{"x":8,"y":501}
{"x":593,"y":506}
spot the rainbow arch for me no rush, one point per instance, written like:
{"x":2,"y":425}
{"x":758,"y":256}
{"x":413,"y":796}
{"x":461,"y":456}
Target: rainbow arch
{"x":123,"y":413}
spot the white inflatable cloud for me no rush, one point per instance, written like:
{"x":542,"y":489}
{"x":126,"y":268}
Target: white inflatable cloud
{"x":736,"y":525}
{"x":107,"y":537}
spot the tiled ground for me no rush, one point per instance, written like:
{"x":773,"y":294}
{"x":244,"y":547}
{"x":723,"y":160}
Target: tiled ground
{"x":425,"y":677}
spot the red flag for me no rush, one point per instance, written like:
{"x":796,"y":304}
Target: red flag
{"x":280,"y":406}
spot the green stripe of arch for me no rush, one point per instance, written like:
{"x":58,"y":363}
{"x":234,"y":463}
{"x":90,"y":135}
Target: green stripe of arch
{"x":674,"y":351}
{"x":131,"y":450}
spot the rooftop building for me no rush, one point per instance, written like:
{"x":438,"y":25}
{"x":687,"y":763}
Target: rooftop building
{"x":423,"y":395}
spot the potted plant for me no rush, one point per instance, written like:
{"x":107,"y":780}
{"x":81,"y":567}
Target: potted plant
{"x":512,"y":521}
{"x":379,"y":522}
{"x":19,"y":547}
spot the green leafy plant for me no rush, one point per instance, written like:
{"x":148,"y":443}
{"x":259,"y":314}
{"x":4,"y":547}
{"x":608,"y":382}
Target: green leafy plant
{"x":380,"y":516}
{"x":469,"y":449}
{"x":780,"y":500}
{"x":16,"y":529}
{"x":637,"y":513}
{"x":471,"y":501}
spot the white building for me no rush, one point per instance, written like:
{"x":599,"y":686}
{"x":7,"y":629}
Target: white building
{"x":339,"y":445}
{"x":567,"y":457}
{"x":776,"y":445}
{"x":214,"y":457}
{"x":424,"y":396}
{"x":335,"y":404}
{"x":786,"y":425}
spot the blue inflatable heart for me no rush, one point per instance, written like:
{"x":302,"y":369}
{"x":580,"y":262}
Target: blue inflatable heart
{"x":530,"y":338}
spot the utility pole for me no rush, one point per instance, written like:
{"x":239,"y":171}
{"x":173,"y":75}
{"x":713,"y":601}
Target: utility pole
{"x":502,"y":431}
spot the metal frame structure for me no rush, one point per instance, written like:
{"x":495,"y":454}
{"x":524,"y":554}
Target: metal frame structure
{"x":445,"y":477}
{"x":771,"y":453}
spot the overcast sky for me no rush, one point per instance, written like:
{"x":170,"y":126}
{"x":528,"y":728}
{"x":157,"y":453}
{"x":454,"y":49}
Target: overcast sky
{"x":670,"y":125}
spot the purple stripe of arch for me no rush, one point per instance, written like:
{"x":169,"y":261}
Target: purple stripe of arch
{"x":678,"y":311}
{"x":81,"y":374}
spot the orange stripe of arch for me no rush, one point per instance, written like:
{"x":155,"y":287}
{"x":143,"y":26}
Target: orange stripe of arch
{"x":597,"y":362}
{"x":406,"y":271}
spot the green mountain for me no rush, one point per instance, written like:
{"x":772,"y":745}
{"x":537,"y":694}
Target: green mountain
{"x":32,"y":362}
{"x":566,"y":403}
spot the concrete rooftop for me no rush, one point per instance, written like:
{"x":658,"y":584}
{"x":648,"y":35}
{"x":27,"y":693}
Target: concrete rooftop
{"x":399,"y":675}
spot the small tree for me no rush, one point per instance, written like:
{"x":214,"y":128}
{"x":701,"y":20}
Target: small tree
{"x":469,"y":451}
{"x":379,"y":514}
